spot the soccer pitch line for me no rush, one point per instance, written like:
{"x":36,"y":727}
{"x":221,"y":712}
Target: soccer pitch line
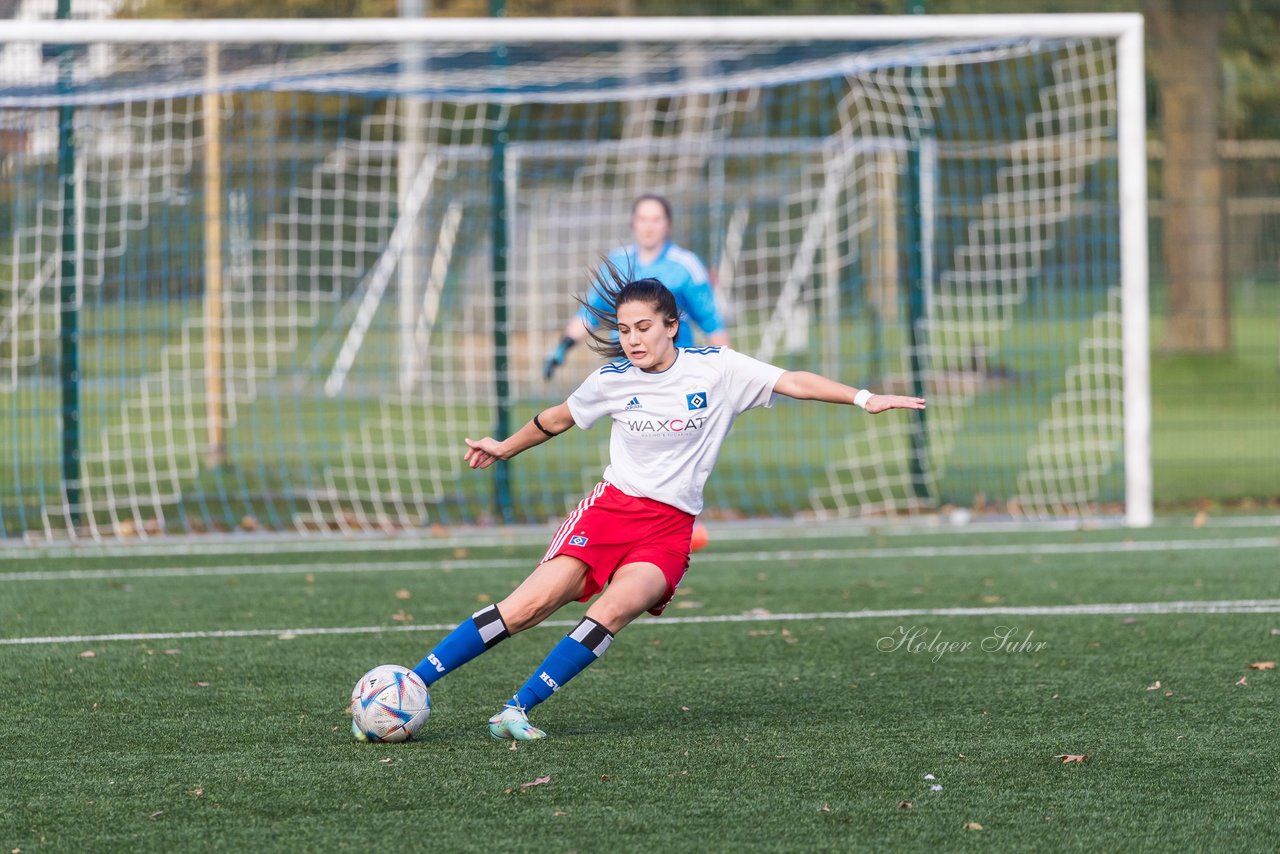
{"x":449,"y":564}
{"x":534,"y":535}
{"x":1223,"y":606}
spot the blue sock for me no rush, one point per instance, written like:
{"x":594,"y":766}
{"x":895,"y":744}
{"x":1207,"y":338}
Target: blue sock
{"x":482,"y":631}
{"x":571,"y":656}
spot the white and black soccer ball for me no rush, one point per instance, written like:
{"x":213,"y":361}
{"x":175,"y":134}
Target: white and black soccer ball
{"x":389,"y":703}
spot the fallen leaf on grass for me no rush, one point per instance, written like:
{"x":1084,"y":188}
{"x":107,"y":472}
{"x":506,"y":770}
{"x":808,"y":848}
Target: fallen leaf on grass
{"x":310,"y":578}
{"x":403,"y":594}
{"x":824,"y":808}
{"x":687,"y":604}
{"x":904,"y":805}
{"x":88,"y":653}
{"x":973,"y":825}
{"x":286,"y":636}
{"x":1263,"y":665}
{"x":157,"y":814}
{"x":1168,"y":693}
{"x":402,"y":616}
{"x":173,"y":652}
{"x":202,"y":684}
{"x":483,"y":597}
{"x":540,"y":781}
{"x":558,"y":813}
{"x":1071,"y":757}
{"x":386,"y":761}
{"x":1155,"y":686}
{"x":198,"y":792}
{"x":1242,"y":681}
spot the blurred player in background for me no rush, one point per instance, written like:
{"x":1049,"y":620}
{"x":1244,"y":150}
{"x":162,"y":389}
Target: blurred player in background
{"x":629,"y":539}
{"x":654,"y":256}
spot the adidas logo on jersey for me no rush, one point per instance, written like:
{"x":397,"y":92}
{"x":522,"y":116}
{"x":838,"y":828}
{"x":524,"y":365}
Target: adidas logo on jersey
{"x":633,"y":403}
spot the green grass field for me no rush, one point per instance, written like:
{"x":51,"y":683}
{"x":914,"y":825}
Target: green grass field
{"x":762,"y":713}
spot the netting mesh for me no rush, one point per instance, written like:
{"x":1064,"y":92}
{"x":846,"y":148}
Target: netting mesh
{"x":936,"y":217}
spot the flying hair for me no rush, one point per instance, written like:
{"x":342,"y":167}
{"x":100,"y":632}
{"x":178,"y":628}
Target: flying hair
{"x":615,"y":289}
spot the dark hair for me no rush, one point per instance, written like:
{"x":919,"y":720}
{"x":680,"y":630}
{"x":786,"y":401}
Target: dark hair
{"x":653,"y":197}
{"x":616,"y":288}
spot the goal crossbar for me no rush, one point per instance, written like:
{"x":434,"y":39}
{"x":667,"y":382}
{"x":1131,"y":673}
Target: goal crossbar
{"x":443,"y":30}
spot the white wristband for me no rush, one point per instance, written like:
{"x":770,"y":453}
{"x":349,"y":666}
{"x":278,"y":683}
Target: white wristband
{"x":861,"y":398}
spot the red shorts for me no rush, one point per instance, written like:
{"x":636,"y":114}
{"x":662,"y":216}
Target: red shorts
{"x":610,"y":529}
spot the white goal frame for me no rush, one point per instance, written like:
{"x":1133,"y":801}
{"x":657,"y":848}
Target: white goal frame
{"x":1127,"y":29}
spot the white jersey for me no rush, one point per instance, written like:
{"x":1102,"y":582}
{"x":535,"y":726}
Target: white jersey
{"x":668,"y":426}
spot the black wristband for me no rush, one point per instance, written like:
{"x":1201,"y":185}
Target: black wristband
{"x":538,"y":424}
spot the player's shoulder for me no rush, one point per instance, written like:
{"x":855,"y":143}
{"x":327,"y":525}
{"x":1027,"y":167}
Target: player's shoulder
{"x":687,"y":259}
{"x":698,"y":352}
{"x":618,"y":367}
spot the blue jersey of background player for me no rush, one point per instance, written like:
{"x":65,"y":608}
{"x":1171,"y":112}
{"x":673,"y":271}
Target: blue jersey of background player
{"x":653,"y":256}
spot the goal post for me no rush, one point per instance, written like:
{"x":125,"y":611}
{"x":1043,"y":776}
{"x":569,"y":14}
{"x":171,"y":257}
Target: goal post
{"x":949,"y":203}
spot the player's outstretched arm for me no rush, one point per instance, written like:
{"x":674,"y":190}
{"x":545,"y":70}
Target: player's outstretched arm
{"x":803,"y":385}
{"x":482,"y":453}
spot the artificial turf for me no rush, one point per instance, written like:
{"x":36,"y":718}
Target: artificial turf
{"x":785,"y":731}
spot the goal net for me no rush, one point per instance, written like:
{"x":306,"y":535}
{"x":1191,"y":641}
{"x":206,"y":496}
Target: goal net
{"x":269,"y":275}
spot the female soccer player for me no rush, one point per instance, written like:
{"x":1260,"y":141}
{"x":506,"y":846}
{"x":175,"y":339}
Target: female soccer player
{"x":671,"y":408}
{"x":651,"y":256}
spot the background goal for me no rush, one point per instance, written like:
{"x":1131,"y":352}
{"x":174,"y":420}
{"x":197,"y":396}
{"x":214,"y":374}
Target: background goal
{"x":269,"y":274}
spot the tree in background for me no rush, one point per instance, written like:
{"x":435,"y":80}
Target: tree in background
{"x":1186,"y":37}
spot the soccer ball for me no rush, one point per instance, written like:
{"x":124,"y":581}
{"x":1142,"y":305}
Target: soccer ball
{"x":389,"y":703}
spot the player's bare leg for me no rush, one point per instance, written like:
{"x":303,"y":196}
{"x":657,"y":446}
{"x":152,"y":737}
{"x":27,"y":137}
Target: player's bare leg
{"x":634,"y":589}
{"x":551,"y":586}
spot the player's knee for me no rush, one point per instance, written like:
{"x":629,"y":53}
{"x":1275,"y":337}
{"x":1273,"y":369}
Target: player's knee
{"x":525,"y":613}
{"x":516,"y":616}
{"x":614,"y":616}
{"x":606,"y":616}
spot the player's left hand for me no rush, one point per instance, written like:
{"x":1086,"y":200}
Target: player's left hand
{"x":483,"y":453}
{"x":883,"y":402}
